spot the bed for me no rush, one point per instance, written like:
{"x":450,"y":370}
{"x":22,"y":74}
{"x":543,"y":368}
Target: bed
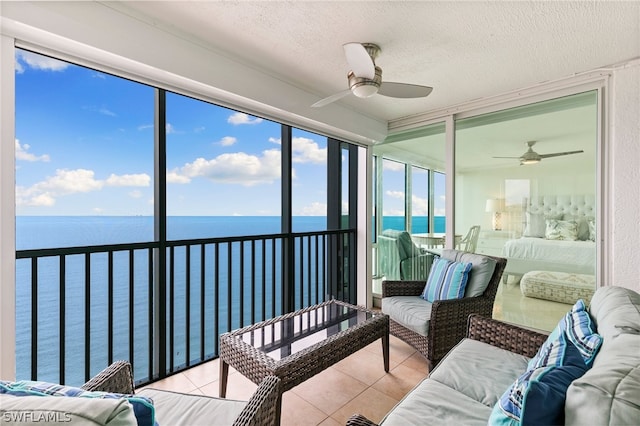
{"x":558,"y":235}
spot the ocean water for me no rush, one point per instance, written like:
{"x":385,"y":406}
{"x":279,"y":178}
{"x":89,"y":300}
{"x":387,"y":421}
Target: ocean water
{"x":37,"y":232}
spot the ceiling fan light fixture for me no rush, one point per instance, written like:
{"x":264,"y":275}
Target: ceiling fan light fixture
{"x":529,"y":161}
{"x":365,"y":87}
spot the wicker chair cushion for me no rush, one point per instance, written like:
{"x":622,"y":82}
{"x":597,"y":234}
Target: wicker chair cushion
{"x":413,"y":312}
{"x":480,"y":273}
{"x":174,"y":408}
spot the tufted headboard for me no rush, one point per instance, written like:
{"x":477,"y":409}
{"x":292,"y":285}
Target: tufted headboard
{"x":574,"y":205}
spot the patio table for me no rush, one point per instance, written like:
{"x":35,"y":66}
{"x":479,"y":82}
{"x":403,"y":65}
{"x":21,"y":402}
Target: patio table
{"x":301,"y":344}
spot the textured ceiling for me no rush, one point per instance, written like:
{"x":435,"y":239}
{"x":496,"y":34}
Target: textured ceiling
{"x":465,"y":50}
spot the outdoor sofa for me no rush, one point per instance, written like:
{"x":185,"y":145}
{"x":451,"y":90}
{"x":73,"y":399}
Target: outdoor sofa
{"x":466,"y":385}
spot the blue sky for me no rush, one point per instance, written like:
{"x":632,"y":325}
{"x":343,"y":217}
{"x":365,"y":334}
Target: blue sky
{"x":84,"y":146}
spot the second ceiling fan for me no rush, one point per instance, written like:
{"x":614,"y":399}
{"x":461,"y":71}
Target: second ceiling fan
{"x":532,"y":157}
{"x":365,"y":77}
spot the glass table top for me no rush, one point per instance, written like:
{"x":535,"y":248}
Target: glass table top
{"x":291,"y":335}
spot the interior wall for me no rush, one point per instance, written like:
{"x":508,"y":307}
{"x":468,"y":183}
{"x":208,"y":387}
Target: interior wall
{"x":622,"y":267}
{"x":475,"y":187}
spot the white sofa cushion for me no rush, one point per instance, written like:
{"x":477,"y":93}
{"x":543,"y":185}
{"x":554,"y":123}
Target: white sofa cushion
{"x":432,"y":403}
{"x":480,"y":371}
{"x":609,"y":393}
{"x":176,"y":409}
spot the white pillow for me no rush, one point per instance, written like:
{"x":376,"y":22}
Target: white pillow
{"x":561,"y":230}
{"x":536,"y":224}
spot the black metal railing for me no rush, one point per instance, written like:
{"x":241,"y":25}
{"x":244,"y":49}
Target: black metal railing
{"x":80,"y":308}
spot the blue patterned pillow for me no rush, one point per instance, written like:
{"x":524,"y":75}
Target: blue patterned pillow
{"x":538,"y":395}
{"x":447,"y":280}
{"x":142,"y":407}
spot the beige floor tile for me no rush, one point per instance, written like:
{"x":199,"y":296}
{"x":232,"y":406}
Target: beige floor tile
{"x":417,"y":362}
{"x":204,"y":374}
{"x":330,"y":421}
{"x":238,"y":387}
{"x":329,"y":390}
{"x":177,"y":382}
{"x":399,"y":351}
{"x":399,"y":381}
{"x":296,"y":411}
{"x":371,"y":403}
{"x":367,"y":367}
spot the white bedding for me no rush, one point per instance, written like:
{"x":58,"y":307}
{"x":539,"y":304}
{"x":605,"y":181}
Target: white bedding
{"x":582,"y":254}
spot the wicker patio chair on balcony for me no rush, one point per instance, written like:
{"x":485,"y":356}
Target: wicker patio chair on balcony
{"x":185,"y":409}
{"x":434,"y":328}
{"x":400,"y":258}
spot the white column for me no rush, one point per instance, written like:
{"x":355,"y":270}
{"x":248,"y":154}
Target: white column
{"x":7,"y":210}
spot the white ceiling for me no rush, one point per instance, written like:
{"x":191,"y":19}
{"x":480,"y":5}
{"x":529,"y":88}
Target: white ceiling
{"x":465,"y":50}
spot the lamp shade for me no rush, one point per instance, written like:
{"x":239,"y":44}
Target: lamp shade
{"x":494,"y":205}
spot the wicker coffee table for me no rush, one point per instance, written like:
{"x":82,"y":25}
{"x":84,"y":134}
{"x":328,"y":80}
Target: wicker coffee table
{"x":299,"y":345}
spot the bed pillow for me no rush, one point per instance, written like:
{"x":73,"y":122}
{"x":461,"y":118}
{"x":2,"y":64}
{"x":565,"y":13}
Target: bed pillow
{"x":142,"y":407}
{"x":536,"y":224}
{"x":561,"y":230}
{"x":447,"y":280}
{"x":538,"y":395}
{"x":583,"y":226}
{"x":592,"y":229}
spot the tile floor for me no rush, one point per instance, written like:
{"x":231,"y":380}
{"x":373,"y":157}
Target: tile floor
{"x":358,"y":384}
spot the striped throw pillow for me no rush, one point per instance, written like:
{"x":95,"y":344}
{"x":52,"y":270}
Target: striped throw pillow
{"x":447,"y":280}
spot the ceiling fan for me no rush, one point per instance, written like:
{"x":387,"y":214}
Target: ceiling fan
{"x":365,"y":78}
{"x":532,"y":157}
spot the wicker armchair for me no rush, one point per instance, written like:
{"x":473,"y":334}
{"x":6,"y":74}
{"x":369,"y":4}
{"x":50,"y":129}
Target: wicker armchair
{"x":448,"y":321}
{"x":260,"y":409}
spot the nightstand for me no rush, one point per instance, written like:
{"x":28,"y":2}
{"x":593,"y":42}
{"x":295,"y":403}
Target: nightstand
{"x":491,"y":242}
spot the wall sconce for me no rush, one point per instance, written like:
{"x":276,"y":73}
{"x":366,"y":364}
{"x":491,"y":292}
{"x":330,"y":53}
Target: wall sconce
{"x":495,"y":206}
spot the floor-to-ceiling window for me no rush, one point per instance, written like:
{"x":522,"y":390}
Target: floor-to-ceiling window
{"x":148,"y":222}
{"x":409,"y":188}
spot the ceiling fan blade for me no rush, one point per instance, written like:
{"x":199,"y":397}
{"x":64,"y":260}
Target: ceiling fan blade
{"x":512,"y":158}
{"x":359,"y":60}
{"x":558,"y":154}
{"x":332,"y":98}
{"x":404,"y":90}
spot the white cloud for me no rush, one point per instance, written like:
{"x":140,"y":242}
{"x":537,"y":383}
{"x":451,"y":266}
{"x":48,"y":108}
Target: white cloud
{"x":228,"y":141}
{"x":135,"y":193}
{"x":145,"y":126}
{"x":240,"y":168}
{"x":305,"y":150}
{"x":140,"y":179}
{"x":393,"y":166}
{"x":242,"y":118}
{"x":22,"y":154}
{"x":67,"y":182}
{"x":170,"y":129}
{"x":199,"y":129}
{"x":174,"y":176}
{"x":314,"y":209}
{"x":393,"y":212}
{"x":38,"y":62}
{"x":419,"y":206}
{"x":105,"y":111}
{"x":395,"y":194}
